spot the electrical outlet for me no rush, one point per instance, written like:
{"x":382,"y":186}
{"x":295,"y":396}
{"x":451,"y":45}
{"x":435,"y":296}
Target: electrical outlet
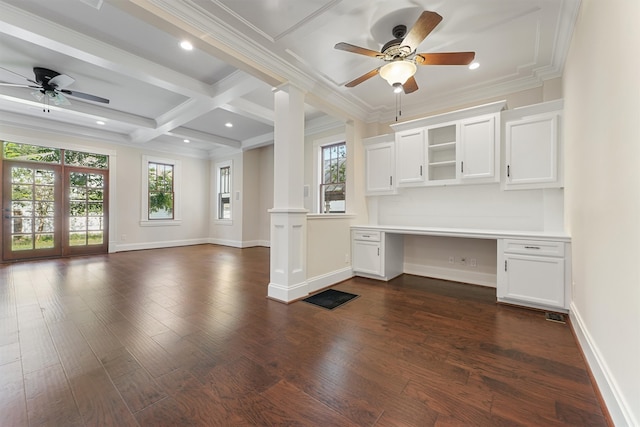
{"x":346,"y":258}
{"x":452,"y":260}
{"x":123,"y":237}
{"x":473,"y":263}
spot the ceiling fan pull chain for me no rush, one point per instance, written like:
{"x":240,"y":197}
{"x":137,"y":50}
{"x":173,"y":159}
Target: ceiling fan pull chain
{"x":397,"y":96}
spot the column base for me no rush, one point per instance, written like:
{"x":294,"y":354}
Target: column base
{"x":287,"y":294}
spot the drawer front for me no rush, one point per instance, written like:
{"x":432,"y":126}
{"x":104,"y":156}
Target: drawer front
{"x":373,"y":236}
{"x":534,"y":247}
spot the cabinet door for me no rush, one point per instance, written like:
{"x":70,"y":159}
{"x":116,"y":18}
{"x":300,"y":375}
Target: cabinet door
{"x":534,"y":279}
{"x":478,"y":149}
{"x":410,"y":157}
{"x":532,"y":151}
{"x":379,"y":168}
{"x":366,"y":257}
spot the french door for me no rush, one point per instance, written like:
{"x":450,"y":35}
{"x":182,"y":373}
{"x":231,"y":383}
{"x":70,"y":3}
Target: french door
{"x":51,"y":210}
{"x":85,"y":222}
{"x":31,"y":210}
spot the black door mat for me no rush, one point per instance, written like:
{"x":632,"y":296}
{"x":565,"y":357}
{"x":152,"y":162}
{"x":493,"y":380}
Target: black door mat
{"x":330,"y":298}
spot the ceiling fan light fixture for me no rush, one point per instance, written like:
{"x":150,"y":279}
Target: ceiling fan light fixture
{"x":398,"y":72}
{"x":397,"y":88}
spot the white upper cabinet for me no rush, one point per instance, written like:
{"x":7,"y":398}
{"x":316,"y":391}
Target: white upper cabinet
{"x":533,"y":147}
{"x":479,"y":149}
{"x":410,"y":157}
{"x":380,"y":165}
{"x":460,"y":147}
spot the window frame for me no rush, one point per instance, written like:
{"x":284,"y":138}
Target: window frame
{"x":318,"y":146}
{"x":177,"y":180}
{"x":217,"y":196}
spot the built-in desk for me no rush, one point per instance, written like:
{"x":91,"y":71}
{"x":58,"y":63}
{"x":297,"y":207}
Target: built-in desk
{"x":533,"y":268}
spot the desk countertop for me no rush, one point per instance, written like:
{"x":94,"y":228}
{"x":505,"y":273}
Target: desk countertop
{"x":468,"y":232}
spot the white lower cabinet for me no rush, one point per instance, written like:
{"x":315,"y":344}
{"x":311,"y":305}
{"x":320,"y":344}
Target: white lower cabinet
{"x":376,"y":254}
{"x":533,"y":273}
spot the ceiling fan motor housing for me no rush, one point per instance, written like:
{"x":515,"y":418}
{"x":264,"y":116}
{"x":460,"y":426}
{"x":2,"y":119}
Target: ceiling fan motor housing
{"x":44,"y":75}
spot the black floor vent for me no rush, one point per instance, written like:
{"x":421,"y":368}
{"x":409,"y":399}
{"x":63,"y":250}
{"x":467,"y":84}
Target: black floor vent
{"x":555,"y":317}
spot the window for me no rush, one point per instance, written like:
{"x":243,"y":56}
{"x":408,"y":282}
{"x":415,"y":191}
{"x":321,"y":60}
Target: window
{"x":333,"y":178}
{"x":223,"y":189}
{"x":160,"y":192}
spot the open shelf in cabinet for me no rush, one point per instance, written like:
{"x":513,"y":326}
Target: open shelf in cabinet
{"x":441,"y":154}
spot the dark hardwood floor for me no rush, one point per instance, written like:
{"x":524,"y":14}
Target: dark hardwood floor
{"x":186,"y":336}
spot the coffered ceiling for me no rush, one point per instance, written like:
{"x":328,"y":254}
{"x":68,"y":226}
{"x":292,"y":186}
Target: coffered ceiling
{"x":161,"y":95}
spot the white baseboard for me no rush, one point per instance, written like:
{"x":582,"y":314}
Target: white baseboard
{"x":254,"y":243}
{"x":328,"y":279}
{"x":157,"y":245}
{"x":238,"y":243}
{"x":618,"y":408}
{"x":456,"y":275}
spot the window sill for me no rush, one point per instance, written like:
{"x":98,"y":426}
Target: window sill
{"x":331,"y":216}
{"x":223,"y":222}
{"x":159,"y":222}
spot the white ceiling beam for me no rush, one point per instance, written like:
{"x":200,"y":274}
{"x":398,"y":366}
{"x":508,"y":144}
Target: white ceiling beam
{"x":31,"y":123}
{"x":235,"y":85}
{"x":194,"y":135}
{"x":78,"y":108}
{"x":250,"y":110}
{"x":258,"y":141}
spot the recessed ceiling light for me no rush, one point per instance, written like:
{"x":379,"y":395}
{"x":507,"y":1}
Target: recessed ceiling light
{"x":229,"y":124}
{"x":186,"y":141}
{"x":100,"y":122}
{"x":186,"y":45}
{"x":474,"y":65}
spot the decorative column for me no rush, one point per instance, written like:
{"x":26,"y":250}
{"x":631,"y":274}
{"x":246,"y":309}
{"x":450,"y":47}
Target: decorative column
{"x":288,"y":274}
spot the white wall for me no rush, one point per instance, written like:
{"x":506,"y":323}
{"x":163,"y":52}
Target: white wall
{"x":602,"y":112}
{"x":266,"y":193}
{"x":194,"y":209}
{"x":481,"y":206}
{"x":249,"y":194}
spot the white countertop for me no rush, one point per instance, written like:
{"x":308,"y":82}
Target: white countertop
{"x":468,"y":232}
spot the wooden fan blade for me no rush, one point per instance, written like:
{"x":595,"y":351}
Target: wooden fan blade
{"x":421,"y":29}
{"x":410,"y":85}
{"x":357,"y":49}
{"x":362,"y":78}
{"x":445,"y":58}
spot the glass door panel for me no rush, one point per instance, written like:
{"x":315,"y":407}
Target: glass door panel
{"x":31,"y":220}
{"x":86,"y":211}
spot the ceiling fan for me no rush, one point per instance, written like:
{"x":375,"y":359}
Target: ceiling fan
{"x":50,"y":86}
{"x":401,"y":57}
